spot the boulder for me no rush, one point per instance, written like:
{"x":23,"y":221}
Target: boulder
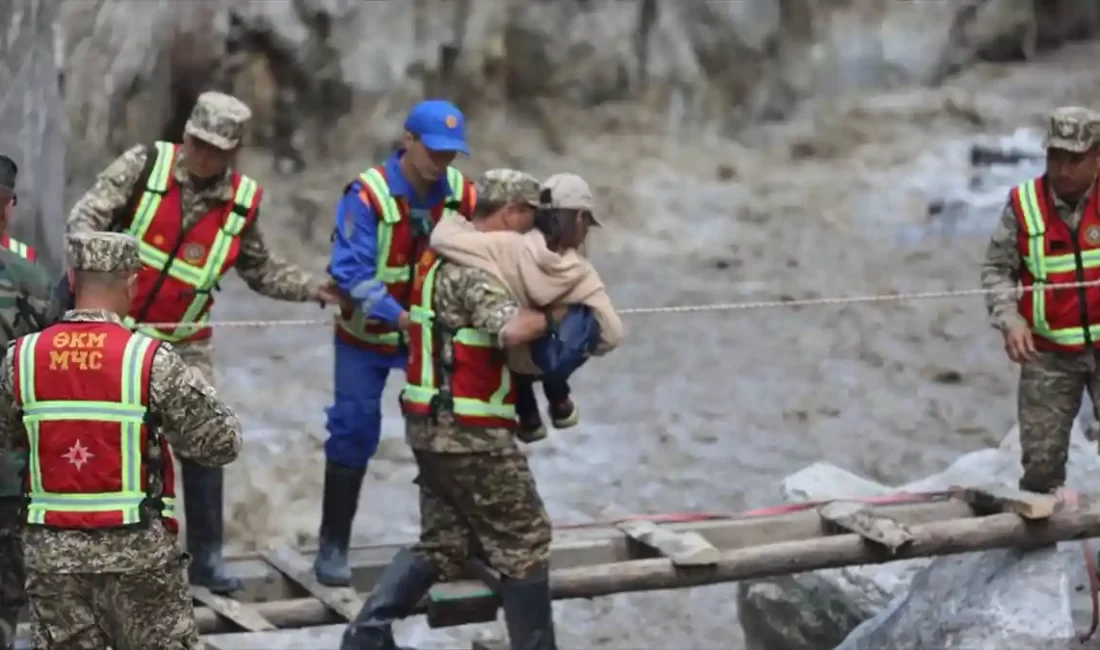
{"x":32,"y":121}
{"x":1004,"y":598}
{"x":820,"y":609}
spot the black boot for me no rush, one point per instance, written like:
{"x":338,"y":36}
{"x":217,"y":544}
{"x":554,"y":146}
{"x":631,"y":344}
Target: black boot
{"x":528,"y":613}
{"x":341,"y":498}
{"x":400,"y":587}
{"x":202,"y":502}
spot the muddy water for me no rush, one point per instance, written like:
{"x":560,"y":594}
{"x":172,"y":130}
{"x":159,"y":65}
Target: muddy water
{"x":705,"y":411}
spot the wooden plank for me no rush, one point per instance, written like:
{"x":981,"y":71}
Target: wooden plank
{"x":865,"y":522}
{"x":243,"y":615}
{"x":580,"y":547}
{"x":1001,"y":498}
{"x":687,"y":548}
{"x":342,"y":600}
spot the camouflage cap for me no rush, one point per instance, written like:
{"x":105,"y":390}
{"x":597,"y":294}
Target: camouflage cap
{"x":219,"y":120}
{"x":1073,"y":128}
{"x":102,"y":252}
{"x":508,"y":186}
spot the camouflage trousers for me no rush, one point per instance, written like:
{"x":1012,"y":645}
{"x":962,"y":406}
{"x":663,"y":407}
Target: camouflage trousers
{"x":1049,"y":399}
{"x":149,"y":610}
{"x":484,"y":505}
{"x":13,"y":596}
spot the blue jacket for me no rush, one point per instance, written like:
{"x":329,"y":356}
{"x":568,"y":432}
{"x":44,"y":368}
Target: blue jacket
{"x":355,"y":241}
{"x":568,"y":344}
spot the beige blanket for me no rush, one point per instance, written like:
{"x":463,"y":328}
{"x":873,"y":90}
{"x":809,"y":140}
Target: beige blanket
{"x":538,"y":277}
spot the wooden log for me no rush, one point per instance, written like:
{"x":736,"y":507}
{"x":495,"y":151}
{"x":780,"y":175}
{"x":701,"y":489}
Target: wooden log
{"x":342,"y":600}
{"x":1001,"y":498}
{"x":687,"y":548}
{"x":580,"y":547}
{"x":865,"y":522}
{"x":240,"y":613}
{"x":783,"y":558}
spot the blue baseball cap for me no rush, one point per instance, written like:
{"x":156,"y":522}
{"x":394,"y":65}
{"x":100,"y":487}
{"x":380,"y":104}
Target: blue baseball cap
{"x":439,"y":125}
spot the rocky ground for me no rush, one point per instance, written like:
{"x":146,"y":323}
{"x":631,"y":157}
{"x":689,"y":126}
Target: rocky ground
{"x":705,"y":411}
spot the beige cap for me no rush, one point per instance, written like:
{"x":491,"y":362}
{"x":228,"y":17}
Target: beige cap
{"x":102,"y":252}
{"x":1072,"y":128}
{"x":569,"y":192}
{"x":218,"y":120}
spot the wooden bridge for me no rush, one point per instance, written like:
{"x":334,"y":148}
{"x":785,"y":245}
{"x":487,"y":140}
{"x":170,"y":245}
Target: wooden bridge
{"x":647,"y":554}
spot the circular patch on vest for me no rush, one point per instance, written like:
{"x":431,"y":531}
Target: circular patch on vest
{"x":193,"y":253}
{"x":158,"y":240}
{"x":1092,"y":235}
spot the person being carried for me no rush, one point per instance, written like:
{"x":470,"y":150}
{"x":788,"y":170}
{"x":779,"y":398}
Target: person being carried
{"x":528,"y":236}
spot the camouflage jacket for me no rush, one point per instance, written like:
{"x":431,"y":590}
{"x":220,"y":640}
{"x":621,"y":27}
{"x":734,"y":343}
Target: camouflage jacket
{"x":196,"y":424}
{"x":464,"y":297}
{"x":26,"y":305}
{"x":264,"y":272}
{"x":1002,"y":265}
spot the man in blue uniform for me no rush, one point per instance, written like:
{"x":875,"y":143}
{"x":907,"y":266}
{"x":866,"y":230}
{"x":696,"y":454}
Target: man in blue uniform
{"x":383,"y":223}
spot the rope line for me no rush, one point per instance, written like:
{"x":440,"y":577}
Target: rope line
{"x":711,"y":307}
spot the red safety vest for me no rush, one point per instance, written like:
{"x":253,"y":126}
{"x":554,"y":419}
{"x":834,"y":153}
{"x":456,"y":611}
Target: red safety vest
{"x":83,"y":390}
{"x":397,"y":249}
{"x":1065,"y":319}
{"x":209,"y":250}
{"x":482,"y":393}
{"x":19,"y":248}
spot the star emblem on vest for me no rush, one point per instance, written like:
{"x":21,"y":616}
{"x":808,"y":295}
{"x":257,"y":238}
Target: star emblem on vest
{"x":193,"y":252}
{"x":451,"y":121}
{"x":1092,"y":235}
{"x":78,"y":455}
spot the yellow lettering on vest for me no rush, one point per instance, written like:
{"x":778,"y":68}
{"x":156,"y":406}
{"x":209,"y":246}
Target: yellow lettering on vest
{"x":59,"y":360}
{"x":96,"y":340}
{"x":61,"y":340}
{"x":95,"y":360}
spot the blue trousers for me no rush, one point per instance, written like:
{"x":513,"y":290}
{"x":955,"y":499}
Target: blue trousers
{"x":355,"y":418}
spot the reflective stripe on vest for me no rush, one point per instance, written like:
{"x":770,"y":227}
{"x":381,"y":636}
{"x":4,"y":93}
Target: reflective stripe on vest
{"x":19,"y":248}
{"x":424,"y":318}
{"x":203,"y":278}
{"x":375,"y":182}
{"x":128,"y":413}
{"x":1040,"y":265}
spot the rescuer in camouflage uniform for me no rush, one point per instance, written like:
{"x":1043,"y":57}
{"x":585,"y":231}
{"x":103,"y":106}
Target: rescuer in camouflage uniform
{"x":478,"y":497}
{"x":1051,"y":381}
{"x":121,"y":587}
{"x":26,"y":306}
{"x":214,"y":133}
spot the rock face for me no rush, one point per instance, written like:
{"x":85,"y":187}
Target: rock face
{"x":32,"y":121}
{"x":306,"y":62}
{"x":820,"y":609}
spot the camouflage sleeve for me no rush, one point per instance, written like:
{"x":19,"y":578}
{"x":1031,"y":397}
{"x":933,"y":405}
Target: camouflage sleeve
{"x":197,"y":424}
{"x":11,"y":424}
{"x":1001,"y":272}
{"x":26,"y":297}
{"x":487,"y":301}
{"x":110,"y":193}
{"x":269,"y":275}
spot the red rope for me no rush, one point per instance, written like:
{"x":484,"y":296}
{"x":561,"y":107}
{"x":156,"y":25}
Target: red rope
{"x":771,"y":511}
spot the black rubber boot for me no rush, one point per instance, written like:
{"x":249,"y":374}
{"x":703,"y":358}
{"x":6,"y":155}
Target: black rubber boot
{"x":528,"y":613}
{"x":202,"y":502}
{"x":341,"y":498}
{"x":400,"y":587}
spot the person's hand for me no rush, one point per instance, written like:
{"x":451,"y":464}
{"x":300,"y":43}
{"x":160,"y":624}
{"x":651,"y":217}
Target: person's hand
{"x":1019,"y":344}
{"x":330,"y":294}
{"x":404,"y":321}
